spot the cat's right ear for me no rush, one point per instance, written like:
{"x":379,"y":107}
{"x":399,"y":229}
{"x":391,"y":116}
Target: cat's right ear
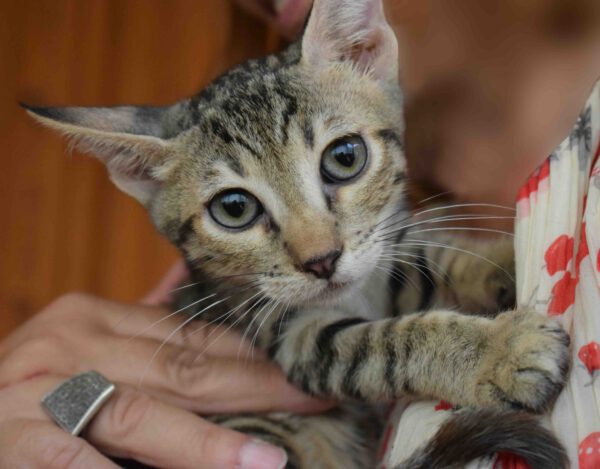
{"x":127,"y":139}
{"x":354,"y":31}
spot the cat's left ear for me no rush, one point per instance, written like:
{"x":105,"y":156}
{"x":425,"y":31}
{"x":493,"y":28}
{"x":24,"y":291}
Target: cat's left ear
{"x":351,"y":30}
{"x":127,"y":139}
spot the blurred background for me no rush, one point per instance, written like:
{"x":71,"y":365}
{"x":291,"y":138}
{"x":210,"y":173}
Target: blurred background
{"x":63,"y":225}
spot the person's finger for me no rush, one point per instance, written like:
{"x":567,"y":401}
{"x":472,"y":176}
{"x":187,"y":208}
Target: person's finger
{"x":37,"y":444}
{"x":162,"y":293}
{"x":132,"y":321}
{"x":204,"y":383}
{"x":215,"y":339}
{"x":134,"y":426}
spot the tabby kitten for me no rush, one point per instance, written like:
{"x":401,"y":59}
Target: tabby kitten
{"x":282,"y":184}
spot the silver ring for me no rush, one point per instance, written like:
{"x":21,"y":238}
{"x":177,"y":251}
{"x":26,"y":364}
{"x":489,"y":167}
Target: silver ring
{"x":75,"y":402}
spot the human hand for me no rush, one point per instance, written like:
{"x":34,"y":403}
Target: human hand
{"x":151,"y":420}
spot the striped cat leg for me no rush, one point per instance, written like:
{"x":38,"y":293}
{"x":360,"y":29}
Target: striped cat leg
{"x":450,"y":271}
{"x":518,"y":359}
{"x":345,"y":437}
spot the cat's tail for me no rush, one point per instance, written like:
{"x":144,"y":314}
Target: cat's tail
{"x":473,"y":434}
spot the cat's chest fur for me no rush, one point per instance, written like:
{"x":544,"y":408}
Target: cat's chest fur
{"x":373,"y":300}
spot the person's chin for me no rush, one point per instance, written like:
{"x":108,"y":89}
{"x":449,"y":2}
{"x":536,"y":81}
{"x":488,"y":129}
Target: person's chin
{"x":291,"y":15}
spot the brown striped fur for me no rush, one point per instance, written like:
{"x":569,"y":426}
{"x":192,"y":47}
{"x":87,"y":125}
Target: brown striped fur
{"x":263,"y":127}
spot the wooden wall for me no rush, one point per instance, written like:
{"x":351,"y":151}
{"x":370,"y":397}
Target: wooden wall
{"x":63,"y":226}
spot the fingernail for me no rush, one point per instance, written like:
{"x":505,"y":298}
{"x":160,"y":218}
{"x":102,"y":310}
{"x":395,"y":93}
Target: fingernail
{"x":256,"y":454}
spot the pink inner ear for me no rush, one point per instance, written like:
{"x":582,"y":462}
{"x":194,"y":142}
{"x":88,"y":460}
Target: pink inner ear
{"x":351,"y":30}
{"x":141,"y":172}
{"x":377,"y":54}
{"x":365,"y":54}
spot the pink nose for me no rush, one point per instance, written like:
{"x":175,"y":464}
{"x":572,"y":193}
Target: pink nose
{"x":322,"y":266}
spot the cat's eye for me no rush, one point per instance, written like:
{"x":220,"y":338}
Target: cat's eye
{"x":344,"y":159}
{"x":235,"y":209}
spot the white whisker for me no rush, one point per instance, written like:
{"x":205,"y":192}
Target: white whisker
{"x":165,"y":318}
{"x":439,"y":272}
{"x":485,"y":230}
{"x":267,"y":316}
{"x":172,"y":334}
{"x":384,"y":232}
{"x":223,"y":318}
{"x":255,"y":305}
{"x":416,"y":242}
{"x":256,"y":316}
{"x":216,"y":279}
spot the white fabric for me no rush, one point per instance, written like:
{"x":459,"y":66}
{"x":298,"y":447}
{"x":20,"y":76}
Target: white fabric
{"x":557,"y":243}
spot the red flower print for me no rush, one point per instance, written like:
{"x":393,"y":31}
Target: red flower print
{"x":510,"y":461}
{"x":563,"y":294}
{"x":559,"y":254}
{"x":598,"y":261}
{"x":590,"y":356}
{"x":533,"y":182}
{"x":589,"y":452}
{"x":443,"y":405}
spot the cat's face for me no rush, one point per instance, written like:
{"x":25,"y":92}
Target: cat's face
{"x":283,"y":172}
{"x":301,"y":174}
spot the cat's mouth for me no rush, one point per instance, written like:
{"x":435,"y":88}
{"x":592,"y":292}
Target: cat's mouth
{"x":336,"y":286}
{"x":333,"y":291}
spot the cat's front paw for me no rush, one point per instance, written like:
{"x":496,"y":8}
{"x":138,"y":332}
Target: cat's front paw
{"x":526,"y":362}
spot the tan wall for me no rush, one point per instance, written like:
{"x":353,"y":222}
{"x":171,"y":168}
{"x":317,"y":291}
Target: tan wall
{"x":63,"y":226}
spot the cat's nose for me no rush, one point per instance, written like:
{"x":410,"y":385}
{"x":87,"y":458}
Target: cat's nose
{"x":323,"y":266}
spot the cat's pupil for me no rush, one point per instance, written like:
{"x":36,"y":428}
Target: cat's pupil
{"x":344,"y":155}
{"x":235,"y":204}
{"x":344,"y":159}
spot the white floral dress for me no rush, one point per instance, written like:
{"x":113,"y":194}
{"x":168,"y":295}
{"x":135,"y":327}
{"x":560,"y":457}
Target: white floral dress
{"x":557,"y":243}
